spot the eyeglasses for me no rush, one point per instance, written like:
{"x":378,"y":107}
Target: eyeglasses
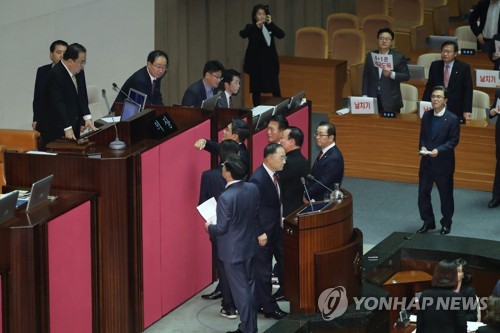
{"x":447,"y":51}
{"x":319,"y":134}
{"x":217,"y":77}
{"x":385,"y":39}
{"x":160,"y":67}
{"x":437,"y":97}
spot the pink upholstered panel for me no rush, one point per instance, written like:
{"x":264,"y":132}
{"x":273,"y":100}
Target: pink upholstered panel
{"x":186,"y":255}
{"x":69,"y":265}
{"x":299,"y":119}
{"x":151,"y":231}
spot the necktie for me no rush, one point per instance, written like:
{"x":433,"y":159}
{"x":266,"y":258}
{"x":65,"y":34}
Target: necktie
{"x":275,"y":179}
{"x":446,"y":75}
{"x":74,"y":82}
{"x":153,"y":85}
{"x":319,"y":156}
{"x":230,"y":101}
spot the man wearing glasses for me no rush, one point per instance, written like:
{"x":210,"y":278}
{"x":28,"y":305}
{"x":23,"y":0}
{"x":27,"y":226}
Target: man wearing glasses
{"x":455,"y":76}
{"x":147,"y":79}
{"x":439,"y":135}
{"x":384,"y":84}
{"x":205,"y":88}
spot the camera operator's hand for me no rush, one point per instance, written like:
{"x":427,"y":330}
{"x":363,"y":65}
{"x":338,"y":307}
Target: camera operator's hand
{"x":268,"y":19}
{"x":260,"y":23}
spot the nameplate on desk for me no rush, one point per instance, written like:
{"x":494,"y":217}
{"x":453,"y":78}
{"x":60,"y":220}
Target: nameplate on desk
{"x":467,"y":51}
{"x":487,"y":78}
{"x":162,"y":126}
{"x":363,"y":105}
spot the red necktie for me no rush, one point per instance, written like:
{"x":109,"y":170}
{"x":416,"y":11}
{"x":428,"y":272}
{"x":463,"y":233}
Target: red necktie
{"x":319,"y":156}
{"x":153,"y":84}
{"x":446,"y":75}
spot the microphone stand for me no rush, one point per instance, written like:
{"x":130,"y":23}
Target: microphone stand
{"x":116,"y":144}
{"x":303,"y":181}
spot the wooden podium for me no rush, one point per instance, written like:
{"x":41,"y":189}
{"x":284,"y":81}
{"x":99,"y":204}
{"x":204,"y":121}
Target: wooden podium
{"x":321,"y":251}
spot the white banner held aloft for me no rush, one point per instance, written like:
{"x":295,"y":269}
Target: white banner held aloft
{"x":383,"y":61}
{"x":487,"y":78}
{"x":363,"y":105}
{"x":424,"y":106}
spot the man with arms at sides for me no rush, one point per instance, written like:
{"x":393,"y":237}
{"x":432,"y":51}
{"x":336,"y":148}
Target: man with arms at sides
{"x":147,"y":79}
{"x":205,"y":88}
{"x":385,"y":84}
{"x":275,"y":128}
{"x":494,"y":112}
{"x":296,"y":167}
{"x":65,"y":101}
{"x":268,"y":226}
{"x":328,"y":168}
{"x":455,"y":76}
{"x":439,"y":135}
{"x":237,"y":211}
{"x":231,"y":86}
{"x":486,"y":13}
{"x":57,"y":49}
{"x":212,"y":185}
{"x":236,"y":130}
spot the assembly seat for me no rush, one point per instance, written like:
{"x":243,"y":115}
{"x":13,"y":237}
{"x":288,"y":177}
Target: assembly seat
{"x":15,"y":140}
{"x":338,"y":21}
{"x":311,"y":42}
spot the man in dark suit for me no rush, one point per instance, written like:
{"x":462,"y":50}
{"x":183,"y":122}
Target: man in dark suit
{"x":57,"y":49}
{"x":494,"y":112}
{"x":486,"y":13}
{"x":236,"y":130}
{"x":384,"y":84}
{"x":147,"y":79}
{"x":439,"y":135}
{"x":275,"y":128}
{"x":268,"y":226}
{"x":230,"y":87}
{"x":328,"y":168}
{"x":455,"y":76}
{"x":64,"y":99}
{"x":205,"y":88}
{"x":296,"y":167}
{"x":237,"y":211}
{"x":212,"y":185}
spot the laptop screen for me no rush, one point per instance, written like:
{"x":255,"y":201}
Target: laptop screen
{"x":8,"y":205}
{"x":39,"y":192}
{"x":138,"y":97}
{"x":130,"y":109}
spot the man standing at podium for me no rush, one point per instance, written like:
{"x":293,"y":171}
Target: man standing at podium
{"x":328,"y":168}
{"x":65,"y":101}
{"x":439,"y":135}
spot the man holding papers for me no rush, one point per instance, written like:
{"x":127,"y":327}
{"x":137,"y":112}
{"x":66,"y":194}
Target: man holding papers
{"x":384,"y":70}
{"x":237,"y":211}
{"x":439,"y":135}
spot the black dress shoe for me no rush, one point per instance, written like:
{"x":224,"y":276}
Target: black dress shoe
{"x":425,"y":228}
{"x":445,"y":230}
{"x":215,"y":295}
{"x":494,"y":203}
{"x":278,"y":314}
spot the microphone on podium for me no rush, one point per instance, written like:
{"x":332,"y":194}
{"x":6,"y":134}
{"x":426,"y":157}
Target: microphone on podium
{"x":311,"y":177}
{"x":303,"y":181}
{"x":115,"y":86}
{"x":116,"y":144}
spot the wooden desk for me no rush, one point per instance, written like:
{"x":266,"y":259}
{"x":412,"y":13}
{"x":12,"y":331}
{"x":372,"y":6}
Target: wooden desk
{"x":387,"y":149}
{"x":322,"y":80}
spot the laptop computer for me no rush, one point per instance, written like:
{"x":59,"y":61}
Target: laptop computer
{"x":296,"y":100}
{"x":8,"y":206}
{"x":210,"y":103}
{"x":130,"y":109}
{"x":281,"y":107}
{"x":39,"y":192}
{"x":264,"y":119}
{"x":435,"y":42}
{"x":138,"y":97}
{"x":417,"y":72}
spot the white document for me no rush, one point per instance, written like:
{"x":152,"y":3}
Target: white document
{"x":208,"y":210}
{"x":383,"y":61}
{"x":498,"y":103}
{"x":111,"y":119}
{"x":497,"y":46}
{"x":424,"y":152}
{"x":424,"y":106}
{"x":261,"y":109}
{"x":472,"y":326}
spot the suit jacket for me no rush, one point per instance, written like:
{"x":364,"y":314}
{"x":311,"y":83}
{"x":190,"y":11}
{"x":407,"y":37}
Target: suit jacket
{"x":328,"y":170}
{"x":222,"y":102}
{"x":269,"y":206}
{"x":292,"y":189}
{"x":237,"y":210}
{"x":141,"y":81}
{"x":433,"y":320}
{"x":459,"y":86}
{"x":212,"y":184}
{"x":41,"y":75}
{"x":390,"y":90}
{"x":497,"y":124}
{"x":214,"y":148}
{"x":261,"y":61}
{"x":480,"y":13}
{"x":488,"y":329}
{"x":195,"y":94}
{"x":445,"y":141}
{"x":469,"y":294}
{"x":63,"y":106}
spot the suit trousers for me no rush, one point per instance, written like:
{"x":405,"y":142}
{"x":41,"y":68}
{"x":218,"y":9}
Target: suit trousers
{"x":278,"y":269}
{"x":496,"y":183}
{"x":444,"y":185}
{"x":241,"y":280}
{"x":263,"y":265}
{"x":223,"y":286}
